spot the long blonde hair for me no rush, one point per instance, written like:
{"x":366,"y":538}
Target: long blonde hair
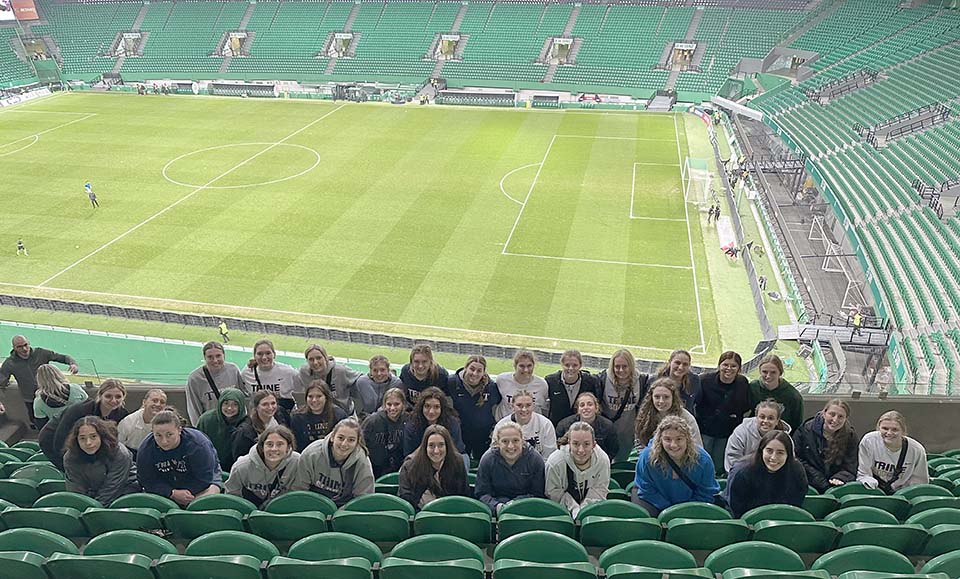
{"x":51,"y":383}
{"x":658,"y":456}
{"x":634,"y":373}
{"x":648,"y":417}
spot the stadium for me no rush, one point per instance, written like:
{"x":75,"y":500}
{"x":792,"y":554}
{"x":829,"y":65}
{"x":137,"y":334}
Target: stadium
{"x":556,"y":200}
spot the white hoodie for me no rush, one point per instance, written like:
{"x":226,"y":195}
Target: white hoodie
{"x":251,"y":479}
{"x":877,"y":462}
{"x":595,"y":479}
{"x":282,"y":380}
{"x":539,"y":433}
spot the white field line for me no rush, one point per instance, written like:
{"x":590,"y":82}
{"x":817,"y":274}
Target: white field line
{"x":613,"y":138}
{"x":693,"y":265}
{"x":603,"y":261}
{"x":633,"y":187}
{"x":527,"y":198}
{"x":493,"y":337}
{"x":19,"y":106}
{"x":504,"y":178}
{"x":44,"y":132}
{"x":186,"y":197}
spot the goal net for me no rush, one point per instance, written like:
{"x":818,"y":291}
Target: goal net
{"x":697,"y":181}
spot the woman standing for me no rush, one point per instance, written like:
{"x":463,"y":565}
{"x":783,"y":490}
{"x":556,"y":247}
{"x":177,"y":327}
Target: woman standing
{"x":220,"y":424}
{"x":772,"y":385}
{"x":725,"y":400}
{"x":54,"y":394}
{"x":771,"y":476}
{"x":136,"y":426}
{"x":677,"y":368}
{"x":566,"y":385}
{"x":588,"y":410}
{"x":384,"y":430}
{"x":107,"y":405}
{"x":315,"y":420}
{"x":537,"y":430}
{"x":341,"y":381}
{"x":427,"y":474}
{"x":263,"y":372}
{"x":662,"y":400}
{"x":579,"y":473}
{"x":475,"y":396}
{"x":96,"y":464}
{"x":433,"y":407}
{"x":827,"y":446}
{"x":337,"y":466}
{"x":889,"y":459}
{"x":376,"y":382}
{"x":522,"y":378}
{"x":205,"y":384}
{"x":263,"y":413}
{"x":176,"y":462}
{"x":510,"y":470}
{"x":746,"y":437}
{"x":622,"y":387}
{"x":673,"y":470}
{"x":268,"y":470}
{"x":422,"y":373}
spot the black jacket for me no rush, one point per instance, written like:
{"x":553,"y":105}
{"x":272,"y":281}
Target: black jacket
{"x":54,"y":433}
{"x":722,"y":407}
{"x":810,"y":446}
{"x":245,"y":436}
{"x":603,"y":433}
{"x":412,"y":490}
{"x":560,"y":403}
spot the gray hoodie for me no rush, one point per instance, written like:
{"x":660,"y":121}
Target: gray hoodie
{"x":251,"y":479}
{"x":319,"y":473}
{"x":744,"y":441}
{"x":592,"y":483}
{"x":342,"y":381}
{"x":200,"y":397}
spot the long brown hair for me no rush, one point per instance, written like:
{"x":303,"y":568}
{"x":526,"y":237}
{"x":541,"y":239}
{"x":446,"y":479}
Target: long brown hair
{"x":647,"y":416}
{"x":350,"y":422}
{"x":664,"y":370}
{"x":252,"y":362}
{"x":327,"y":411}
{"x":452,"y":472}
{"x":106,"y":430}
{"x":253,"y":415}
{"x":838,"y":442}
{"x":447,"y":413}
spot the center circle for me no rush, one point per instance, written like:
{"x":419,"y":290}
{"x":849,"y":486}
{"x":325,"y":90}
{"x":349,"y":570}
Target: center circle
{"x":310,"y":159}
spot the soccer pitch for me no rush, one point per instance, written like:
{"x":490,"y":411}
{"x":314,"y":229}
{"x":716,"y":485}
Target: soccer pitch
{"x":538,"y":228}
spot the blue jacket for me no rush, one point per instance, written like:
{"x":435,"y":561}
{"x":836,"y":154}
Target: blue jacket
{"x":193,"y":465}
{"x":657,"y":486}
{"x":498,"y":482}
{"x":476,"y":421}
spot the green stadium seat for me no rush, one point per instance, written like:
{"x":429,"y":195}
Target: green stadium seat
{"x":820,"y":505}
{"x":646,"y":559}
{"x":300,"y":502}
{"x":903,"y":538}
{"x":863,"y":558}
{"x":63,"y":521}
{"x":800,"y":537}
{"x":861,"y":515}
{"x":878,"y":575}
{"x":776,"y":513}
{"x":694,"y":510}
{"x":99,"y":520}
{"x":21,"y":454}
{"x":388,"y":483}
{"x":22,"y":565}
{"x":51,"y":486}
{"x":123,"y":542}
{"x":31,"y":445}
{"x":925,"y":503}
{"x":377,"y":517}
{"x":433,"y":556}
{"x":754,"y":555}
{"x":702,"y":526}
{"x":39,"y":457}
{"x":215,"y":567}
{"x":222,"y":501}
{"x":37,"y":541}
{"x":852,"y":488}
{"x":67,"y":499}
{"x":623,"y":477}
{"x":534,"y":514}
{"x":127,"y":566}
{"x":21,"y":492}
{"x":188,"y":525}
{"x":948,"y":563}
{"x":144,"y":501}
{"x":462,"y":517}
{"x":927,"y":490}
{"x":614,"y":522}
{"x":38,"y":473}
{"x":541,"y":555}
{"x":334,"y":555}
{"x":232,"y":543}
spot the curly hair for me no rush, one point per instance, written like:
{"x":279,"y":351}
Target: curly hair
{"x":658,"y":454}
{"x":106,"y":430}
{"x":648,"y":417}
{"x":447,"y":413}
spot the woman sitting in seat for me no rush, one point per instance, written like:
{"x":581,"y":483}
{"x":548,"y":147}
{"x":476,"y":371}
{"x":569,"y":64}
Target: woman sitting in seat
{"x":318,"y":417}
{"x":433,"y":470}
{"x":579,"y":472}
{"x":673,"y":470}
{"x":588,"y":410}
{"x":677,"y":368}
{"x":268,"y":470}
{"x":510,"y":470}
{"x":746,"y":437}
{"x":889,"y":459}
{"x":827,"y":446}
{"x":264,"y":411}
{"x":337,"y":466}
{"x":383,"y":431}
{"x":662,"y":400}
{"x":220,"y":424}
{"x":176,"y":462}
{"x":433,"y":407}
{"x":107,"y":405}
{"x":537,"y":429}
{"x":96,"y":464}
{"x":771,"y":476}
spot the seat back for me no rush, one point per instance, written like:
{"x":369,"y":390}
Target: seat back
{"x":326,"y":546}
{"x":852,"y":488}
{"x":377,"y":502}
{"x":437,"y":548}
{"x":541,"y":547}
{"x":948,"y":563}
{"x":144,"y":501}
{"x":860,"y":514}
{"x":533,"y":507}
{"x":694,"y":510}
{"x":68,"y":499}
{"x":754,"y":555}
{"x":648,"y":553}
{"x":37,"y":541}
{"x":222,"y":501}
{"x":613,"y":508}
{"x":38,"y":472}
{"x":300,"y":502}
{"x":863,"y":558}
{"x":123,"y":542}
{"x":232,"y":543}
{"x":941,"y":516}
{"x":926,"y":490}
{"x":454,"y":505}
{"x":776,"y":513}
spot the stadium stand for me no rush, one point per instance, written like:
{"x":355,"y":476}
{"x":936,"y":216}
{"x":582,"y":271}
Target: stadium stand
{"x":12,"y":68}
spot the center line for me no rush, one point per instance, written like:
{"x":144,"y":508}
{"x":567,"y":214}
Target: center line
{"x":184,"y":198}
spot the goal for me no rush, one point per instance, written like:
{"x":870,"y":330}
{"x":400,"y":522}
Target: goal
{"x":697,"y":181}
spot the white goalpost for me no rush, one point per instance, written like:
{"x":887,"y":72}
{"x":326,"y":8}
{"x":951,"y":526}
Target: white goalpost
{"x":697,"y":181}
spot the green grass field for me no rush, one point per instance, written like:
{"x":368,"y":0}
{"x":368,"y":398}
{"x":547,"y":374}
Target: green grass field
{"x":540,"y":228}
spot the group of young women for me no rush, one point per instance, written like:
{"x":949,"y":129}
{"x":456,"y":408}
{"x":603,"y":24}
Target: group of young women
{"x":553,"y":436}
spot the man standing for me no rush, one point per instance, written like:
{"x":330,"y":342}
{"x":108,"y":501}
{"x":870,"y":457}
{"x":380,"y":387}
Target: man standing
{"x":21,"y":248}
{"x":22,"y":365}
{"x":91,"y":195}
{"x":224,"y":331}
